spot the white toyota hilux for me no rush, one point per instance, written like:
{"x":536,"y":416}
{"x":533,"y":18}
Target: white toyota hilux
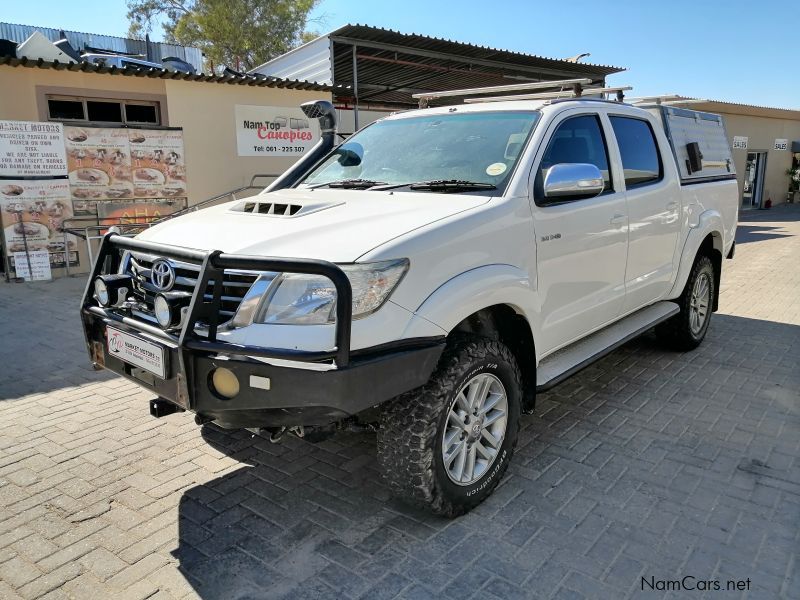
{"x":425,"y":279}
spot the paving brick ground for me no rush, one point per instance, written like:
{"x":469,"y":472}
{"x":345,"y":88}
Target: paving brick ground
{"x":648,"y":464}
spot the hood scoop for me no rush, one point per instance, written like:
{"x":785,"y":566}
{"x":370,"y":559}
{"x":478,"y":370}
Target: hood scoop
{"x":269,"y":208}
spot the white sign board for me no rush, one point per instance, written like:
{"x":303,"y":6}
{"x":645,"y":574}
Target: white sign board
{"x":136,"y":351}
{"x":740,"y":142}
{"x":40,"y":265}
{"x":32,"y":149}
{"x":273,"y":131}
{"x":781,"y":144}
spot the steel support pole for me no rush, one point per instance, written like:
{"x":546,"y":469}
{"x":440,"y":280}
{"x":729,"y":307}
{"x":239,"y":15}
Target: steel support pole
{"x":355,"y":87}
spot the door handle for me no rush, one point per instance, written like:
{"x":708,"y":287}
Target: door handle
{"x":672,"y":205}
{"x":618,"y":219}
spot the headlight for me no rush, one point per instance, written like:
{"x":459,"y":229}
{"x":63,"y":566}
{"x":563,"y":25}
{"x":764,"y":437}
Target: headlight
{"x":296,"y":299}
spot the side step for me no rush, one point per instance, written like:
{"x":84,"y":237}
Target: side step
{"x":564,"y":363}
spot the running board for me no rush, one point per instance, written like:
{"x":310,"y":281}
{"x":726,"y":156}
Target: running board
{"x":564,"y":363}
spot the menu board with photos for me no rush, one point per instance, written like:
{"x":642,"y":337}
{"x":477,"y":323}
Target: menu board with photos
{"x":33,"y":212}
{"x":107,"y":163}
{"x":99,"y":163}
{"x":158,"y":166}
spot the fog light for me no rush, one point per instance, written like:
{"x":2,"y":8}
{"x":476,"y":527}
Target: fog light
{"x":101,"y":292}
{"x":225,"y":382}
{"x":168,"y":308}
{"x":112,"y":289}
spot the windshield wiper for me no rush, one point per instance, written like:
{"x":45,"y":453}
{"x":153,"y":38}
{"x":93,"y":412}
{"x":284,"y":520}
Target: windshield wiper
{"x":442,"y":185}
{"x":349,"y":184}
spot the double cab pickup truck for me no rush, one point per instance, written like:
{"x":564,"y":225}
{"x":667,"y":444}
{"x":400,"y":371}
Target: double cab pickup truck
{"x":425,"y":278}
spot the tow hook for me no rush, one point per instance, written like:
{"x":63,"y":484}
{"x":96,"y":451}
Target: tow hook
{"x":318,"y":433}
{"x":160,"y":407}
{"x":297,"y":430}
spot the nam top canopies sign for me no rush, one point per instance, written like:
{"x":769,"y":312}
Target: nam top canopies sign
{"x":31,"y":149}
{"x":273,"y":131}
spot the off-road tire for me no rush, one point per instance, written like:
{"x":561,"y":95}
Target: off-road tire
{"x":412,"y":426}
{"x":676,"y":332}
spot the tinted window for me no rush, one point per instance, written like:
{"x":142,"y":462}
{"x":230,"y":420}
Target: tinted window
{"x":110,"y":112}
{"x":577,"y":140}
{"x":141,"y":113}
{"x":637,"y":146}
{"x":66,"y":109}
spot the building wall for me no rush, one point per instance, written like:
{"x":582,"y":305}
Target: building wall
{"x":206,"y":113}
{"x":22,"y":88}
{"x":762,"y":132}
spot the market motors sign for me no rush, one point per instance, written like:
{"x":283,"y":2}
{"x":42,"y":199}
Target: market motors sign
{"x":32,"y":149}
{"x":273,"y":131}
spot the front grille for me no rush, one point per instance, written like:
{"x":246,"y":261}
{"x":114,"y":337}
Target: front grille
{"x":235,"y":283}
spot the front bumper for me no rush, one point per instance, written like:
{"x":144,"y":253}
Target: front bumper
{"x":316,"y":388}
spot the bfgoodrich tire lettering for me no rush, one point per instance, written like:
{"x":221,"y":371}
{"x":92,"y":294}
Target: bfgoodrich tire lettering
{"x":412,"y":428}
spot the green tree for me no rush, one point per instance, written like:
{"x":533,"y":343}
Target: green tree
{"x":241,"y":34}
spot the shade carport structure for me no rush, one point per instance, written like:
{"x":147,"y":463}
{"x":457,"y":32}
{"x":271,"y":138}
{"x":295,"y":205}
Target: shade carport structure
{"x":383,"y":69}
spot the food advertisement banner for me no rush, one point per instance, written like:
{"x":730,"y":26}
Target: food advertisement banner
{"x":159,"y":169}
{"x":33,"y":212}
{"x":30,"y":149}
{"x":99,"y":162}
{"x":273,"y":131}
{"x":108,"y":163}
{"x":122,"y":212}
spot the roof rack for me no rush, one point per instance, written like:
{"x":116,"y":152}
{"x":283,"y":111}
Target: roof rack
{"x":665,"y":99}
{"x":576,"y":85}
{"x":564,"y":94}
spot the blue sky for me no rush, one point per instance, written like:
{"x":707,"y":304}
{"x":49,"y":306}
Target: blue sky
{"x":734,"y":50}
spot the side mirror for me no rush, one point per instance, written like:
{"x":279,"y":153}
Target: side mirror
{"x":567,"y":181}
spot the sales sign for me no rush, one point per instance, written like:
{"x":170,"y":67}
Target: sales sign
{"x":781,"y":144}
{"x":31,"y":149}
{"x":740,"y":142}
{"x":273,"y":131}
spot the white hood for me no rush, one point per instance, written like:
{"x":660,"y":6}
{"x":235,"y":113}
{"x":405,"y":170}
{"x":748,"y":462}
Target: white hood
{"x":334,"y":225}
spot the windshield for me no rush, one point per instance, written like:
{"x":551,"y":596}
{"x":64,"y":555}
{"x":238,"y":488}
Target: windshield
{"x":469,"y":152}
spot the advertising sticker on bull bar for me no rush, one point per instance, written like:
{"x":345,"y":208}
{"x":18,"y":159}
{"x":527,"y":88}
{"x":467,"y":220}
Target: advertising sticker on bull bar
{"x":274,"y":131}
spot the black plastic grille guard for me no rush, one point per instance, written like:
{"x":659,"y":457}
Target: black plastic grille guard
{"x":212,"y":265}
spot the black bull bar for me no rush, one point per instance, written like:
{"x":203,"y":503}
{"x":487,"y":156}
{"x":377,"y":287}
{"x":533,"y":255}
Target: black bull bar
{"x":360,"y":379}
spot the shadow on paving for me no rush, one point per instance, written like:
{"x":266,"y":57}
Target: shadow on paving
{"x":759,"y":233}
{"x":631,"y":468}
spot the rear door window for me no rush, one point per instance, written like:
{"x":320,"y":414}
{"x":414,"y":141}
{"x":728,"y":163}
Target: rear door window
{"x":641,"y":161}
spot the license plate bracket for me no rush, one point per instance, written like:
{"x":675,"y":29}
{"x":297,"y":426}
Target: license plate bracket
{"x":136,"y":351}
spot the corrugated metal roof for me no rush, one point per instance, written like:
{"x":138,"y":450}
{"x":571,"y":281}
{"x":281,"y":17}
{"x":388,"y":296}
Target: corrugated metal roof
{"x":79,"y":40}
{"x":358,"y":31}
{"x":393,"y":65}
{"x":743,"y":109}
{"x":253,"y":80}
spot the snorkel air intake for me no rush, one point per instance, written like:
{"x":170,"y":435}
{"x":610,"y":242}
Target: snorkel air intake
{"x":323,"y":111}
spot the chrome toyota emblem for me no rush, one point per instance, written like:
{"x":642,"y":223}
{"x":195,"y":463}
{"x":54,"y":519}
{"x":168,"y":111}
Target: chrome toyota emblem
{"x":162,"y":275}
